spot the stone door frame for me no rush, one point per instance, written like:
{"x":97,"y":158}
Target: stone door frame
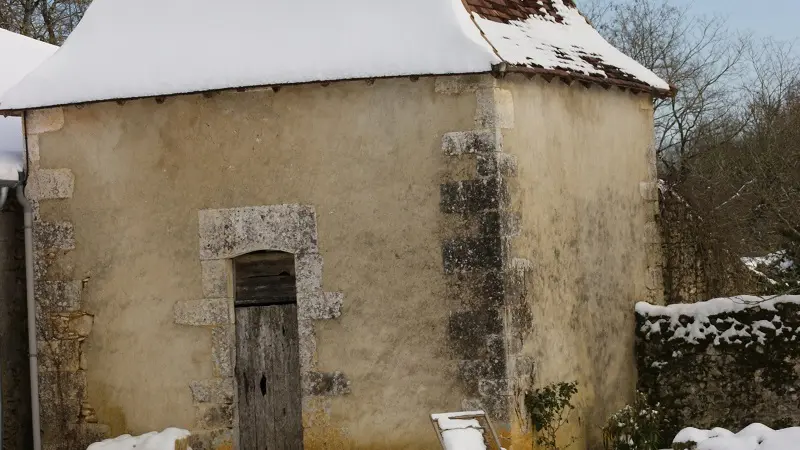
{"x":225,"y":234}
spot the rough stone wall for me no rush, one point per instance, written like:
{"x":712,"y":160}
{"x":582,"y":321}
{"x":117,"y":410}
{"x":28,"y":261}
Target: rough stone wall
{"x":63,"y":325}
{"x":745,"y":369}
{"x":586,"y":196}
{"x":13,"y":331}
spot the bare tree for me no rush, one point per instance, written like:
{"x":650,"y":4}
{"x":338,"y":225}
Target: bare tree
{"x":47,"y":20}
{"x":697,"y":55}
{"x":728,"y":144}
{"x":749,"y":188}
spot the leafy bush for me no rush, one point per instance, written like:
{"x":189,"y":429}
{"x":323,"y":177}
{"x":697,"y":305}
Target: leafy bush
{"x":634,"y":427}
{"x":549,"y":409}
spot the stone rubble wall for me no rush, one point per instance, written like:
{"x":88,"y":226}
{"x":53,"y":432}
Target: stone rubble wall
{"x":725,"y":370}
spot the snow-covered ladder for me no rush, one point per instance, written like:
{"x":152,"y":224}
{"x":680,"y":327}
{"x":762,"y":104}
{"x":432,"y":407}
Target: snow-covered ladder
{"x":466,"y":430}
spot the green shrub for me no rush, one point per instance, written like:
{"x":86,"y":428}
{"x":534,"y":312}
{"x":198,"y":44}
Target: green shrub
{"x":549,"y":409}
{"x":634,"y":427}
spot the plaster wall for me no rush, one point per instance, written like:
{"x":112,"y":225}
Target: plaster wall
{"x":454,"y":252}
{"x":366,"y":156}
{"x":584,"y":194}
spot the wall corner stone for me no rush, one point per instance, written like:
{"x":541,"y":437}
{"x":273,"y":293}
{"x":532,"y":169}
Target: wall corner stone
{"x":495,"y":109}
{"x":40,"y":121}
{"x":649,"y":191}
{"x":460,"y":84}
{"x":51,"y":184}
{"x":476,"y":253}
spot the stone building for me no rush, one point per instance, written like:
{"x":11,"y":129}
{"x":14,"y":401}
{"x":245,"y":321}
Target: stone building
{"x":18,"y":56}
{"x":318,"y":223}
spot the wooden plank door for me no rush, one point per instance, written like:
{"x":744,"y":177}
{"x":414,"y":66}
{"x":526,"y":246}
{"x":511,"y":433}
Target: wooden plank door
{"x":268,"y":353}
{"x":268,"y":376}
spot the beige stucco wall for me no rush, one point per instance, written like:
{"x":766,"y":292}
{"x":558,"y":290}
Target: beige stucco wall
{"x":366,"y":156}
{"x":369,"y":158}
{"x":581,"y":155}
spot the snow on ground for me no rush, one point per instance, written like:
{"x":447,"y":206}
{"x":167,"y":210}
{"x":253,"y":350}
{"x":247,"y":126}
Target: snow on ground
{"x":18,"y":56}
{"x":461,"y":434}
{"x":122,"y":49}
{"x":164,"y":440}
{"x":701,"y":328}
{"x":753,"y":437}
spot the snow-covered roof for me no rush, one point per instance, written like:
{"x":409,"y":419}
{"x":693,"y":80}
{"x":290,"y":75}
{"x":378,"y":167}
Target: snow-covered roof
{"x":18,"y":56}
{"x":142,"y":48}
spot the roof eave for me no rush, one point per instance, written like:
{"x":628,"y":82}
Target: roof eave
{"x":605,"y":82}
{"x":210,"y":92}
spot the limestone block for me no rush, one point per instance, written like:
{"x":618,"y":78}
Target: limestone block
{"x":204,"y":312}
{"x":59,"y":355}
{"x":493,"y":387}
{"x":220,"y":439}
{"x":44,"y":120}
{"x":325,"y":306}
{"x":654,"y":278}
{"x":476,"y":141}
{"x":223,"y":345}
{"x":215,"y":390}
{"x":308,"y":273}
{"x":472,"y":196}
{"x":33,"y":150}
{"x":216,"y":278}
{"x":326,"y":384}
{"x":210,"y":416}
{"x":61,"y":394}
{"x":59,"y":296}
{"x":649,"y":191}
{"x":53,"y":236}
{"x":308,"y":345}
{"x":652,"y":233}
{"x":459,"y":84}
{"x":226,"y":233}
{"x":51,"y":184}
{"x":495,"y":109}
{"x":75,"y":325}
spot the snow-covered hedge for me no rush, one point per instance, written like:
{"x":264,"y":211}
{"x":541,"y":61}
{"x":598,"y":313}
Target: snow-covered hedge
{"x":727,"y":362}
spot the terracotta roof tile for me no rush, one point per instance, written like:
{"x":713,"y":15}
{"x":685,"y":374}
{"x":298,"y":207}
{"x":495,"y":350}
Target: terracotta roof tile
{"x":551,"y":36}
{"x":508,"y":10}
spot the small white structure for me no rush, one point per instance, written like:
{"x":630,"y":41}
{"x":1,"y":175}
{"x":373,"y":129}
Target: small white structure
{"x":18,"y":56}
{"x":466,"y":430}
{"x":169,"y":439}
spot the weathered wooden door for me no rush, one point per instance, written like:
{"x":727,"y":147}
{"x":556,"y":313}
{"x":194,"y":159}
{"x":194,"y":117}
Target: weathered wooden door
{"x":268,"y":353}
